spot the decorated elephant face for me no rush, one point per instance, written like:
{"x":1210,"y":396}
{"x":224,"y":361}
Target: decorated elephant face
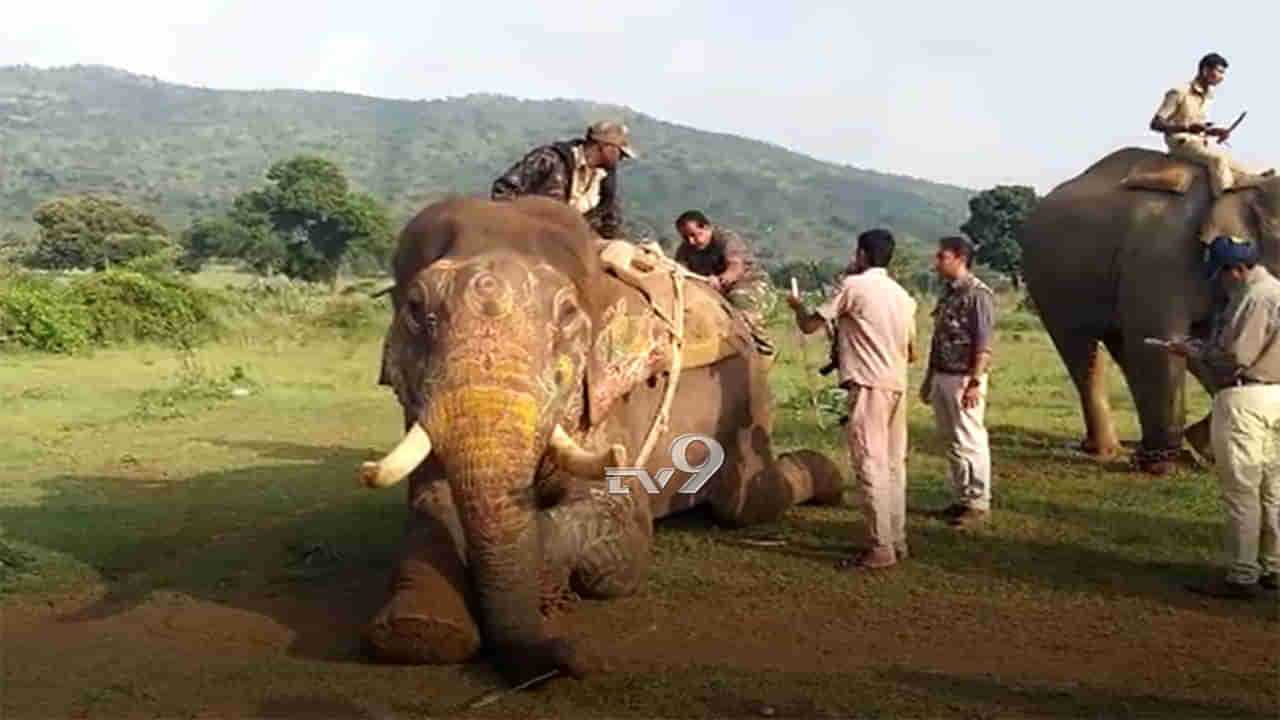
{"x":488,"y":351}
{"x":496,"y":327}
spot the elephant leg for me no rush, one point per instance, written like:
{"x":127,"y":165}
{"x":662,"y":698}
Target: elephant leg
{"x":596,"y":544}
{"x":1087,"y":365}
{"x":755,"y":488}
{"x":1156,"y":381}
{"x":428,"y":619}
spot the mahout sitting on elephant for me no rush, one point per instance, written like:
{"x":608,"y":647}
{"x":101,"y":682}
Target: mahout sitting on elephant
{"x":524,"y":366}
{"x":1113,"y":257}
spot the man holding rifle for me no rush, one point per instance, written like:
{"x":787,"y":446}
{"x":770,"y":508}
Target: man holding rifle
{"x":1183,"y":119}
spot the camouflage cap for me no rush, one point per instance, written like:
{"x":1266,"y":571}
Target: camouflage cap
{"x":612,"y":133}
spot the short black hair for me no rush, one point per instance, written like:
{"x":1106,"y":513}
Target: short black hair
{"x":694,"y":216}
{"x":1211,"y":61}
{"x":877,"y":244}
{"x":960,"y":246}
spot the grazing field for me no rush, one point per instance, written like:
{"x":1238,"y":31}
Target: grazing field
{"x":182,"y":536}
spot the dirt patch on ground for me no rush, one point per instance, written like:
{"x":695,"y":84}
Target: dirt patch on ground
{"x":912,"y":641}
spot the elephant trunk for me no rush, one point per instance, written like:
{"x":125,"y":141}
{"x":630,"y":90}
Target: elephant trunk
{"x":490,"y":443}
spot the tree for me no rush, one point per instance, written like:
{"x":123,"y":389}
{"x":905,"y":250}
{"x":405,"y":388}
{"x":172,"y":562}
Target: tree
{"x":225,"y":237}
{"x":14,"y":247}
{"x":91,"y":231}
{"x":305,"y":223}
{"x":994,"y":218}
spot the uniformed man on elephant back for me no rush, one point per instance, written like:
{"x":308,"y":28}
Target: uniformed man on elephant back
{"x":720,"y":254}
{"x":581,"y":172}
{"x":1184,"y":121}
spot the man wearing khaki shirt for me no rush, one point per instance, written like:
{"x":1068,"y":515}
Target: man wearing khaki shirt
{"x":875,"y":319}
{"x":956,"y":380}
{"x":1183,"y":118}
{"x":1243,"y":352}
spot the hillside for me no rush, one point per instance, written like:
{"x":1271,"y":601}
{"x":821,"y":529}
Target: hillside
{"x":180,"y":152}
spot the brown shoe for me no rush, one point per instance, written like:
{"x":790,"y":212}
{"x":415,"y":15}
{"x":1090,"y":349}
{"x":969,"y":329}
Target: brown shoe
{"x":879,"y":557}
{"x":969,"y":517}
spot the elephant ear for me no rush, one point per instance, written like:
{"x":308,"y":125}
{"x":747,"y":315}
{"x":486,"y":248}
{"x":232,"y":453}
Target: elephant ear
{"x":627,"y":347}
{"x":1239,"y":214}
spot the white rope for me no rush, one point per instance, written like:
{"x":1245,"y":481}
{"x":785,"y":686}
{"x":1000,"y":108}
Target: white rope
{"x":661,"y":421}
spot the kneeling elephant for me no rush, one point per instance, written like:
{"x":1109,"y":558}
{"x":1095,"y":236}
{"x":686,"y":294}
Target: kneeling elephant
{"x":525,"y":367}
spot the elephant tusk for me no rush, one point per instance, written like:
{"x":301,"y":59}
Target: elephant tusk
{"x":569,"y":455}
{"x":412,"y":450}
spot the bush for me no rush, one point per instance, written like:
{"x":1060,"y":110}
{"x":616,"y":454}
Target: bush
{"x":126,"y":305}
{"x":37,"y":314}
{"x":51,"y":314}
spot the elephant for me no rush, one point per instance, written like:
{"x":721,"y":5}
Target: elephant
{"x":525,"y":370}
{"x":1108,"y":262}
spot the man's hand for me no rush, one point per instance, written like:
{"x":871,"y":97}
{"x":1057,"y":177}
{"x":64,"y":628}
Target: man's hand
{"x":795,"y":302}
{"x":970,"y":399}
{"x":715,"y":282}
{"x":925,"y":389}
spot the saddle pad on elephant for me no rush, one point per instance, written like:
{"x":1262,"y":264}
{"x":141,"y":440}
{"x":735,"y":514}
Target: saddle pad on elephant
{"x":708,"y":316}
{"x":1163,"y":173}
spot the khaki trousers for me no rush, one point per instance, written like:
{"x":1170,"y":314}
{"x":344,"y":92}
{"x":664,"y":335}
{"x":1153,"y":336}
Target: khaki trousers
{"x":968,"y":449}
{"x":1224,"y":173}
{"x":1244,"y":430}
{"x":877,"y":433}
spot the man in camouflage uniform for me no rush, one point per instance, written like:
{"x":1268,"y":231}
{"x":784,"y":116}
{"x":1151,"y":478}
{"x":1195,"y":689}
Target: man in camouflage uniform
{"x":956,"y":380}
{"x":720,"y":254}
{"x":581,"y":172}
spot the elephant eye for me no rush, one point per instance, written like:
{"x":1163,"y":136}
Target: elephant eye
{"x":418,"y":318}
{"x":567,"y":313}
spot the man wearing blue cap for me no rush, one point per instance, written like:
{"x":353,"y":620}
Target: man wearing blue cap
{"x":1243,"y":352}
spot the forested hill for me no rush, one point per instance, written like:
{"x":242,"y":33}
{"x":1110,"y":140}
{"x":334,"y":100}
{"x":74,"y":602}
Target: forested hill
{"x":181,"y":152}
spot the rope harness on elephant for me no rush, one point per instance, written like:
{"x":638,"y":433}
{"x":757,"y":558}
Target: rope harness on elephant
{"x":638,"y":265}
{"x":661,"y":422}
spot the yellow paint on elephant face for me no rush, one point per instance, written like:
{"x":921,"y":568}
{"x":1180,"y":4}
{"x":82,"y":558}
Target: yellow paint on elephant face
{"x":470,"y":417}
{"x":564,"y":368}
{"x":556,"y":383}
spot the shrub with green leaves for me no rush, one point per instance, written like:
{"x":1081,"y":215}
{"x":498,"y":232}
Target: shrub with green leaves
{"x":126,"y":305}
{"x":65,"y":315}
{"x":38,"y":314}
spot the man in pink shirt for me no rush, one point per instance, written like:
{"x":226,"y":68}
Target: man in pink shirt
{"x":876,"y":330}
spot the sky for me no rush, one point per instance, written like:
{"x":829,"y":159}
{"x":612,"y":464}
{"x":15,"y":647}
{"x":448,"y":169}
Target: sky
{"x":975,"y":94}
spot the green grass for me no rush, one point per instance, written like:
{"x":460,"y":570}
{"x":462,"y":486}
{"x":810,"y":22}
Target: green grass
{"x":204,"y":551}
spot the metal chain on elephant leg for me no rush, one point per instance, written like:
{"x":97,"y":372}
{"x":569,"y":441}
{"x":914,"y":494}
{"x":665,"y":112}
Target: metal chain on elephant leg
{"x":1143,"y":457}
